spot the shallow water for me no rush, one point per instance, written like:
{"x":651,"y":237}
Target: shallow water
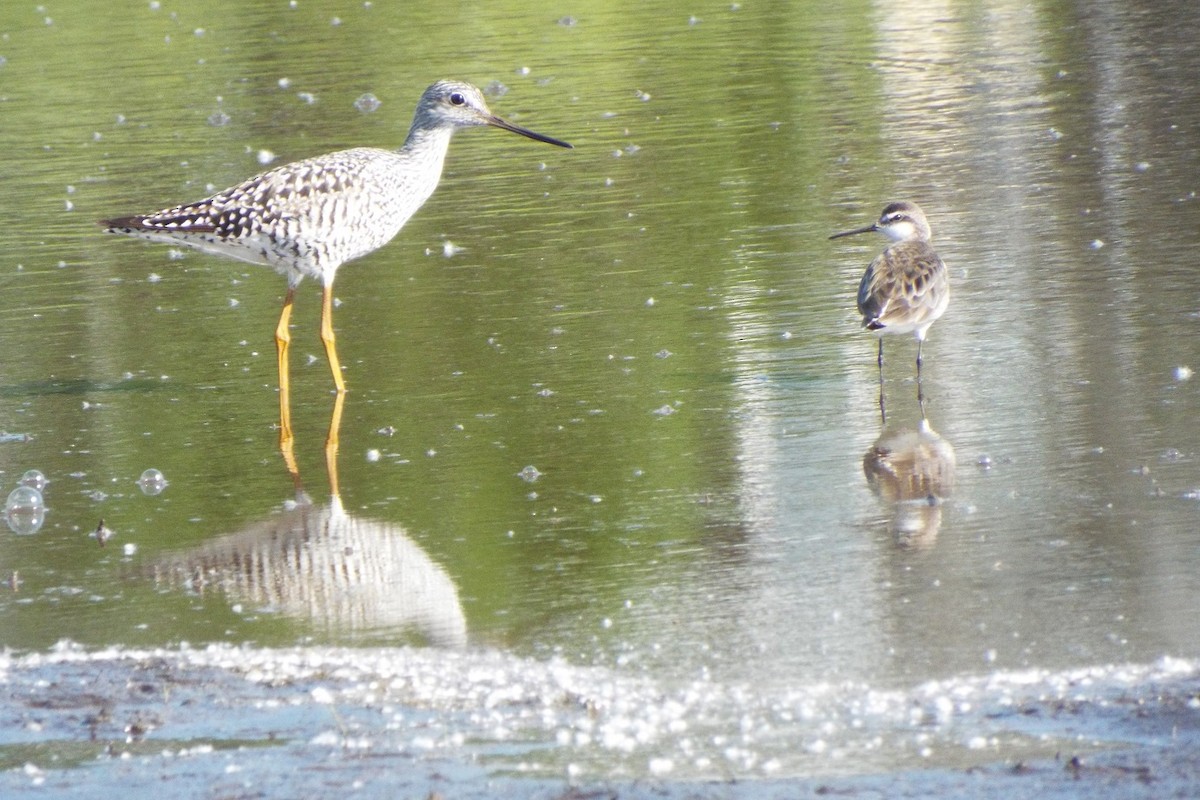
{"x":655,"y":323}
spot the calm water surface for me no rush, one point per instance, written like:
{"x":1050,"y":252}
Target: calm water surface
{"x":631,"y":422}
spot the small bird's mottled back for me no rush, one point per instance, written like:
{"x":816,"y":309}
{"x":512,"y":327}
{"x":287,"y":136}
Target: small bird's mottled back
{"x":906,"y":291}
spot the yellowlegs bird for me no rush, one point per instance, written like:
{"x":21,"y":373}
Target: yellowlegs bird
{"x":310,"y":217}
{"x":905,"y":289}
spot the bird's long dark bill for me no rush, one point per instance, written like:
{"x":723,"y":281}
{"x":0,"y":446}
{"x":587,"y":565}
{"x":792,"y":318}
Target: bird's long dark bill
{"x":508,"y":126}
{"x":867,"y":229}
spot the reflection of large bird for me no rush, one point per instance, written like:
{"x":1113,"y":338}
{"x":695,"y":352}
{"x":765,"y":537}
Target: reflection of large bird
{"x":913,"y":471}
{"x":343,"y":574}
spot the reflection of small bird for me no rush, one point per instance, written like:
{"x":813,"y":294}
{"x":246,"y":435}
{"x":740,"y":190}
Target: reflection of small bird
{"x":102,"y":533}
{"x":905,"y":289}
{"x":913,"y":472}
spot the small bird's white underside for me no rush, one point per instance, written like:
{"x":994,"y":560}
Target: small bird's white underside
{"x":918,"y":331}
{"x":917,"y":328}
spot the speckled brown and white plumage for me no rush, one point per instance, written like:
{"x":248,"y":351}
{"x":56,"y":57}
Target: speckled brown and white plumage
{"x":303,"y":219}
{"x":310,"y":217}
{"x":906,"y":287}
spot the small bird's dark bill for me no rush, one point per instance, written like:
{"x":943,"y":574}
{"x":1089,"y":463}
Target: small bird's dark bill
{"x":508,"y":126}
{"x":867,"y":229}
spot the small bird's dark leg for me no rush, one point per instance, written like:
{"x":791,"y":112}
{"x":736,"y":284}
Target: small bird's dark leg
{"x":920,"y":387}
{"x":882,"y":407}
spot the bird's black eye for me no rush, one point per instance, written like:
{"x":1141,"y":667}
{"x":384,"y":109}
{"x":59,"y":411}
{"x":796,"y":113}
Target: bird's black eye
{"x":456,"y":99}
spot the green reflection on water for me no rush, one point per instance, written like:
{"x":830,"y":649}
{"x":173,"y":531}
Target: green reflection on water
{"x":546,"y":342}
{"x":674,"y":262}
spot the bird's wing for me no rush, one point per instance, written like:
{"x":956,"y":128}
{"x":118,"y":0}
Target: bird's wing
{"x":264,"y":201}
{"x":906,"y":282}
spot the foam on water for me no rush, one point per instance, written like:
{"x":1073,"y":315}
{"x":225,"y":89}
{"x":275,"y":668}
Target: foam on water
{"x":552,"y":719}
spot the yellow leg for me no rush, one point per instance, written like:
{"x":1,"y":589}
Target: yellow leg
{"x":282,"y":339}
{"x":331,"y":443}
{"x":327,"y":337}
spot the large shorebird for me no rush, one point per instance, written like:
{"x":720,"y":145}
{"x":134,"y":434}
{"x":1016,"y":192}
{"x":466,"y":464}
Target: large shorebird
{"x":308,"y":218}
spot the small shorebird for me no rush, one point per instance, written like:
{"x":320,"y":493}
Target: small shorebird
{"x":905,"y":289}
{"x":310,"y":217}
{"x":102,"y":533}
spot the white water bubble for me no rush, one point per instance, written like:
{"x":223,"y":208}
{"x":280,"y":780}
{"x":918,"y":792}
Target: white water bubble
{"x":34,"y":479}
{"x":152,"y":482}
{"x":25,"y":511}
{"x":367,"y":102}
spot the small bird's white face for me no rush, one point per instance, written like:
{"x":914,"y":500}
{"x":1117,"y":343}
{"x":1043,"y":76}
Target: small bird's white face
{"x":901,"y":222}
{"x":897,"y":228}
